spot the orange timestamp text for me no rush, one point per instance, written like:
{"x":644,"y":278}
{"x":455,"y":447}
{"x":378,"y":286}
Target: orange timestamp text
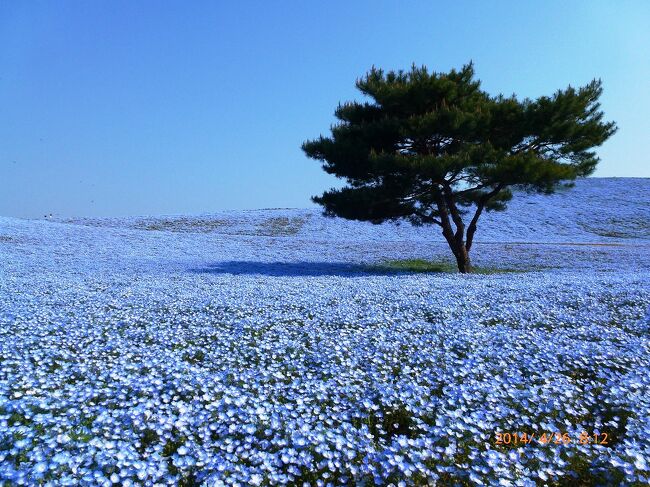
{"x":550,"y":438}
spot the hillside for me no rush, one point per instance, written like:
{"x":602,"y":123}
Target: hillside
{"x":261,"y":348}
{"x":596,"y":210}
{"x":600,"y":224}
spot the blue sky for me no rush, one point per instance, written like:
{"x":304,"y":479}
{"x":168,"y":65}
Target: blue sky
{"x":136,"y":108}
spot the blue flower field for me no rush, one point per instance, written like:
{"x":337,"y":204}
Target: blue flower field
{"x":276,"y":347}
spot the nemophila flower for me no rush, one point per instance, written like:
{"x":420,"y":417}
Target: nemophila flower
{"x":134,"y":357}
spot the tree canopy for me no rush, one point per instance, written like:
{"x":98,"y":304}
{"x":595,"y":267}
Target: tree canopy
{"x":434,"y":148}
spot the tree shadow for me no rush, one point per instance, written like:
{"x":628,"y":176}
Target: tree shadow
{"x":294,"y":269}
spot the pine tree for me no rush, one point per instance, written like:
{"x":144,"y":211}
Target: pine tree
{"x":435,"y":149}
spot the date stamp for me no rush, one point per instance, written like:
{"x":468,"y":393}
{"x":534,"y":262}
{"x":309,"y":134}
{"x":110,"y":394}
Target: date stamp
{"x":515,"y":438}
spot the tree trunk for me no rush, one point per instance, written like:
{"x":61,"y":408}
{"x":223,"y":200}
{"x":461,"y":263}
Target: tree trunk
{"x":462,"y":259}
{"x":457,"y":244}
{"x":461,"y":253}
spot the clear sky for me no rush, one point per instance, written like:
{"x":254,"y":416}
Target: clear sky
{"x":136,"y":107}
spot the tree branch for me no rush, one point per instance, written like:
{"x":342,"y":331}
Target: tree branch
{"x":447,"y":232}
{"x":469,"y":190}
{"x":455,"y":214}
{"x":428,"y":218}
{"x":479,"y":209}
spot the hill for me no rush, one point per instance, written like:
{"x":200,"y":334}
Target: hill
{"x":600,"y":224}
{"x":269,"y":348}
{"x":596,"y":210}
